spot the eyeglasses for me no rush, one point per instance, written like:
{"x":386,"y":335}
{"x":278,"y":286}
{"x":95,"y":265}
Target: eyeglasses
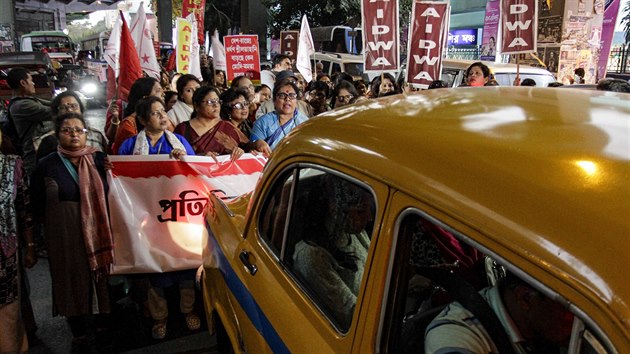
{"x":159,"y":113}
{"x":240,"y":105}
{"x":284,"y":96}
{"x":70,"y":130}
{"x":69,"y":107}
{"x":345,"y":98}
{"x":213,"y":102}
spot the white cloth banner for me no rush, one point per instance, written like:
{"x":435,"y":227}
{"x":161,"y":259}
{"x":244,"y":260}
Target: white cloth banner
{"x":306,"y":48}
{"x":157,"y":206}
{"x":218,"y":53}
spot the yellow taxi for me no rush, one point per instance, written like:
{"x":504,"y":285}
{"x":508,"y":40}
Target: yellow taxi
{"x":371,"y":222}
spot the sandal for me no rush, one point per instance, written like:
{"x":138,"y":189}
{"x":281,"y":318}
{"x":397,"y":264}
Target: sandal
{"x":159,"y":329}
{"x":192,"y":321}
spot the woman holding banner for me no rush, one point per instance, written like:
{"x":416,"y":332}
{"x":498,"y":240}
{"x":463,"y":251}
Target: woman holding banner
{"x":155,"y":139}
{"x":207,"y":132}
{"x":71,"y":190}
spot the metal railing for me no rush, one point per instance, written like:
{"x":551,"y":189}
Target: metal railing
{"x":619,"y":60}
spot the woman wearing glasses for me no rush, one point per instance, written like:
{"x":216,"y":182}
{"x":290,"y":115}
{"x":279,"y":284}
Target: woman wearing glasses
{"x":206,"y":131}
{"x":235,"y":109}
{"x":270,"y":128}
{"x":71,"y":190}
{"x":344,"y":94}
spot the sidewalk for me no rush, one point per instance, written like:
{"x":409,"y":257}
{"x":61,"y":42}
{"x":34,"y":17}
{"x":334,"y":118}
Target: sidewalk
{"x":129,"y":332}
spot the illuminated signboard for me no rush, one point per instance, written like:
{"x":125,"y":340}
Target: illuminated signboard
{"x":462,"y":37}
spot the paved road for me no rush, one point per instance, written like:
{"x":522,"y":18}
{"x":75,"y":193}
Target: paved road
{"x":129,"y":331}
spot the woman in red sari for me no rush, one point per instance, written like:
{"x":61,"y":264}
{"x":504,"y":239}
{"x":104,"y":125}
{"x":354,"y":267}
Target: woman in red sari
{"x":207,"y":132}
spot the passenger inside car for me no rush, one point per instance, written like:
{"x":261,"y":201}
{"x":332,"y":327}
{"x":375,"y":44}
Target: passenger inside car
{"x":331,"y":256}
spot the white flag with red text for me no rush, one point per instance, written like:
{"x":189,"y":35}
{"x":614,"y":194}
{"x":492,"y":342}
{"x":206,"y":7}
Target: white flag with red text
{"x":195,"y":65}
{"x":157,"y":206}
{"x":144,"y":44}
{"x":111,"y":51}
{"x":306,"y":48}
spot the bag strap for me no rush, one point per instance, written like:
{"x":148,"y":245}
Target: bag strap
{"x":467,"y":296}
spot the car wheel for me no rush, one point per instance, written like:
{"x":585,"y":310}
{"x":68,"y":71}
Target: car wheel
{"x":224,"y":345}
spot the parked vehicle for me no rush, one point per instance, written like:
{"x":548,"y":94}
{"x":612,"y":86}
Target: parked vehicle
{"x":41,"y":69}
{"x":453,"y":73}
{"x":57,"y":44}
{"x":339,"y":62}
{"x":531,"y":181}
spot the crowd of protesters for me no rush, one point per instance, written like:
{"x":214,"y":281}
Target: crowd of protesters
{"x":176,"y":115}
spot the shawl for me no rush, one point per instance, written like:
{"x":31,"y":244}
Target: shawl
{"x":12,"y":180}
{"x":94,"y":215}
{"x":180,"y":112}
{"x":142,"y":144}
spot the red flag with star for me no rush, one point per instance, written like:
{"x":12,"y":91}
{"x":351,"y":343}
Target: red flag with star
{"x":130,"y":69}
{"x":144,"y":43}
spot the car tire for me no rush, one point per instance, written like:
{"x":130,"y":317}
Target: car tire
{"x":224,"y":345}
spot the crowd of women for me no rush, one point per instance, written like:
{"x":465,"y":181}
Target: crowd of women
{"x":177,"y":115}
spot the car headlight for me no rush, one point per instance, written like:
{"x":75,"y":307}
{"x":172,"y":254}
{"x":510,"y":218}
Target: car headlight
{"x":89,"y":88}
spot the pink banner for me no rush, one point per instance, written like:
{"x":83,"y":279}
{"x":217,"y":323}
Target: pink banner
{"x":519,"y":24}
{"x":380,"y":35}
{"x":608,"y":30}
{"x":157,"y":206}
{"x":490,"y":31}
{"x":242,"y":57}
{"x":427,"y":39}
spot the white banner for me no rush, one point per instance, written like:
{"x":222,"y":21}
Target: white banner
{"x":156,"y":206}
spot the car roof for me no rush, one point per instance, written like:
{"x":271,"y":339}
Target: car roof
{"x":24,"y":58}
{"x":542,"y":172}
{"x":496,"y":68}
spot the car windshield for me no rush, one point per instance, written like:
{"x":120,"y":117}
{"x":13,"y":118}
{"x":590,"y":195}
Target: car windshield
{"x":354,"y":69}
{"x":506,"y":79}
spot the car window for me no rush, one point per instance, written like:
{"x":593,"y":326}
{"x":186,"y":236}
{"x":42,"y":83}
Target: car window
{"x":326,"y":243}
{"x":447,"y":291}
{"x":449,"y":76}
{"x":335,"y":68}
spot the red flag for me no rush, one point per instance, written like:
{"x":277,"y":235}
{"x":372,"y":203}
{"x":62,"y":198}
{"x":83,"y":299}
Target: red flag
{"x":171,"y":63}
{"x":111,"y":84}
{"x":130,"y":69}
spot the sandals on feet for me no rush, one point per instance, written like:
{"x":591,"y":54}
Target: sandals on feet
{"x":192,"y":321}
{"x":159,"y":329}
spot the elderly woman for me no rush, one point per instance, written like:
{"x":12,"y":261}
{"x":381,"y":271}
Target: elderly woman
{"x":71,"y":190}
{"x":155,"y":139}
{"x":477,"y":74}
{"x":332,"y":255}
{"x":207,"y":132}
{"x":183,"y":108}
{"x":235,"y":109}
{"x":15,"y":234}
{"x":270,"y":128}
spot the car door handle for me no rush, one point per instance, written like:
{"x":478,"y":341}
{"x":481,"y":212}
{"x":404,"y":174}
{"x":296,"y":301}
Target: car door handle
{"x":249,"y":267}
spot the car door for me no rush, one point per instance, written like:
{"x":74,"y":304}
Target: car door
{"x":292,"y":310}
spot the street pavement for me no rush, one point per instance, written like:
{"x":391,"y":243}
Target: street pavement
{"x":126,"y":329}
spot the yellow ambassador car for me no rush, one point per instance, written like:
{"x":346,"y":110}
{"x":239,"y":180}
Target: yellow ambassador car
{"x":371,"y":220}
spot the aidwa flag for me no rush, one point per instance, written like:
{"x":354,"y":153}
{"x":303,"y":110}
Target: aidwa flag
{"x":184,"y":32}
{"x":519,"y":26}
{"x":130,"y":69}
{"x":427,"y":38}
{"x":156,"y":206}
{"x":218,"y":53}
{"x":197,"y":8}
{"x":144,"y":44}
{"x":380,"y":35}
{"x":306,"y":48}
